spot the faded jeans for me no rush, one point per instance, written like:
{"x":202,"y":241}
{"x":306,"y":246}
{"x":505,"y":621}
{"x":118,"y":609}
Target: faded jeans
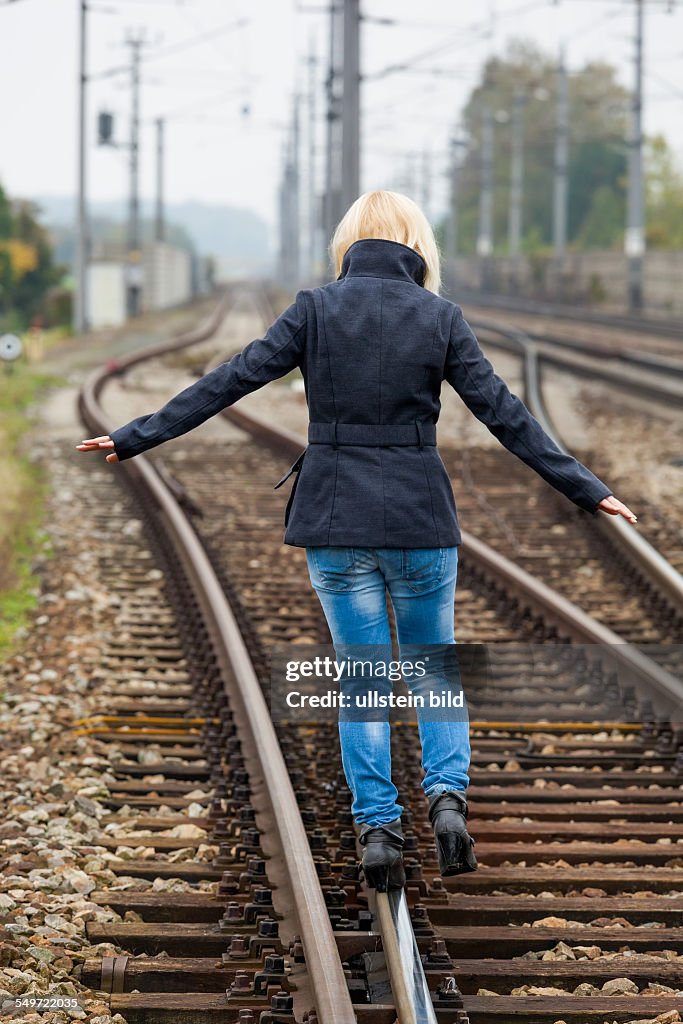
{"x":351,"y":584}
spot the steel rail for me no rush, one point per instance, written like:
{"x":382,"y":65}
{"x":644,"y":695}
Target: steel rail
{"x":325,"y":971}
{"x":647,"y":361}
{"x":664,"y":385}
{"x":405,"y":1010}
{"x":650,"y":562}
{"x":637,"y":324}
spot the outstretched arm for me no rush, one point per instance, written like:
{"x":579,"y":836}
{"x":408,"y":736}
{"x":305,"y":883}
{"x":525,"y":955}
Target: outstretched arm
{"x":261,"y":361}
{"x":485,"y":393}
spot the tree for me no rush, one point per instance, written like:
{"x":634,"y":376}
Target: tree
{"x":597,"y":161}
{"x":27,"y":269}
{"x":664,"y":196}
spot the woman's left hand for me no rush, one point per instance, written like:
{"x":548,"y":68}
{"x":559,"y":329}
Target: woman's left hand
{"x":615,"y":507}
{"x":95,"y":444}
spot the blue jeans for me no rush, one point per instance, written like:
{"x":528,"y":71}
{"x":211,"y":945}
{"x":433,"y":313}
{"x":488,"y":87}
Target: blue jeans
{"x":351,"y":584}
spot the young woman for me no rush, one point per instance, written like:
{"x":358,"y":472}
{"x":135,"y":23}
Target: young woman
{"x":372,"y":502}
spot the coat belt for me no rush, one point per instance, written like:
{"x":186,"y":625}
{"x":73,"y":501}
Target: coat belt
{"x":373,"y":435}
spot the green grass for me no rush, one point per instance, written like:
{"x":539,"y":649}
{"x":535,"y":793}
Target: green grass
{"x":23,"y":495}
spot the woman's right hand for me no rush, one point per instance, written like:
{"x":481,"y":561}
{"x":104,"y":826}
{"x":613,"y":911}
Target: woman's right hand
{"x":95,"y":444}
{"x":614,"y":507}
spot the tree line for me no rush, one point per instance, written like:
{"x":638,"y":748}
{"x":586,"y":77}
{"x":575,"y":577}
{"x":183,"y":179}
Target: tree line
{"x":598,"y":152}
{"x":30,"y":279}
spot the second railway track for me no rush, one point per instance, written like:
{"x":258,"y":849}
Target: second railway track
{"x":575,"y":798}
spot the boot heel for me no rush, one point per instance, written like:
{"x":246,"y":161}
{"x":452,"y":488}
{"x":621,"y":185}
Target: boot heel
{"x":384,"y":877}
{"x":456,"y":853}
{"x":397,"y":875}
{"x":382,"y":863}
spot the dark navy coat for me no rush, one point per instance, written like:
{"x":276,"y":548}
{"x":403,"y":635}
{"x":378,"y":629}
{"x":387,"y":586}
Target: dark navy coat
{"x":374,"y":347}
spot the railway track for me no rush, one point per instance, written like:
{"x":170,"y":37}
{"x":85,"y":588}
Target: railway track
{"x":654,"y":575}
{"x":670,"y":331}
{"x":575,"y":796}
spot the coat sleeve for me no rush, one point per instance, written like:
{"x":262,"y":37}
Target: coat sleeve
{"x":471,"y":374}
{"x":262,"y":360}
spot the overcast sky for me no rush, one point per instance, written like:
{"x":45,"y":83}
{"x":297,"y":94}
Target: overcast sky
{"x":213,"y":69}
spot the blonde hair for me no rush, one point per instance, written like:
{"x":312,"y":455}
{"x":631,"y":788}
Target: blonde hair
{"x":395,"y":217}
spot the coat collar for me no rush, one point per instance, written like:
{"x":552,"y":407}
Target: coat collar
{"x":379,"y":257}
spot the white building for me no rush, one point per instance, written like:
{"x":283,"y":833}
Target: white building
{"x":167,"y":276}
{"x":164,"y":277}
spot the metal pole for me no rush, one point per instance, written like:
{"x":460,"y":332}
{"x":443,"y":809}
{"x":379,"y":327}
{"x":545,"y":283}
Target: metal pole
{"x":329,"y":131}
{"x":485,"y":236}
{"x":81,"y":313}
{"x":294,"y":225}
{"x":282,"y":208}
{"x":312,"y":177}
{"x":516,"y":175}
{"x":635,"y":226}
{"x":159,"y":220}
{"x":134,"y":264}
{"x":351,"y":104}
{"x":560,"y":185}
{"x":332,"y":201}
{"x":451,"y":232}
{"x":426,"y":181}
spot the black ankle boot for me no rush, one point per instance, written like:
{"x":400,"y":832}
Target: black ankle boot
{"x":382,"y":857}
{"x":454,"y":845}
